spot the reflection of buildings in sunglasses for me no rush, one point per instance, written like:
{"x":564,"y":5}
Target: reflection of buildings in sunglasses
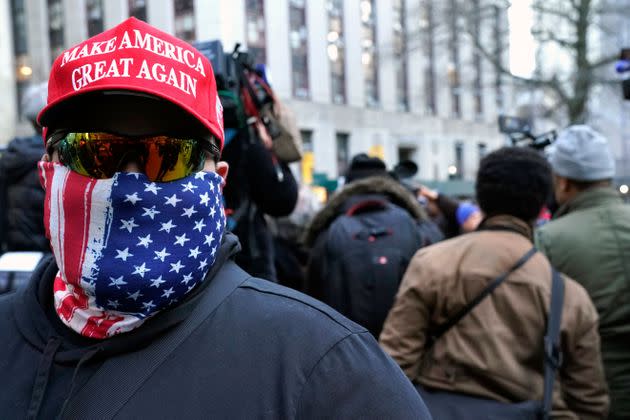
{"x":101,"y":155}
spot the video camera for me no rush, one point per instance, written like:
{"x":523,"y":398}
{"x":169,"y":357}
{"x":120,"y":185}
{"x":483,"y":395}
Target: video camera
{"x":225,"y":65}
{"x":623,"y":66}
{"x":519,"y":130}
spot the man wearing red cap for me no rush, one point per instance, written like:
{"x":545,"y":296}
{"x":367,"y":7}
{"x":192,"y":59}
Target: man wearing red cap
{"x":142,"y":313}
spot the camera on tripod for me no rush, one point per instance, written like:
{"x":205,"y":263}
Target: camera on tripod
{"x":519,"y":132}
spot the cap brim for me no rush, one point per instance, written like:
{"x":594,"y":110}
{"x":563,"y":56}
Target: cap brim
{"x":49,"y":115}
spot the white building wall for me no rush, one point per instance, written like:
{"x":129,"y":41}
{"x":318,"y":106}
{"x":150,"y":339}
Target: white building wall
{"x":114,"y":12}
{"x":432,"y":137}
{"x":208,"y":20}
{"x":161,"y":14}
{"x":386,"y":69}
{"x":355,"y":92}
{"x":74,"y":12}
{"x":318,"y":63}
{"x":416,"y":60}
{"x":278,"y":48}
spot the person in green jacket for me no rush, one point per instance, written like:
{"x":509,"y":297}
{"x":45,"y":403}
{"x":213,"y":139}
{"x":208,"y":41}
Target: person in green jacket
{"x":589,"y":240}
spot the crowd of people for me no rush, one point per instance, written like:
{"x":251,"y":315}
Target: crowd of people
{"x":189,"y":275}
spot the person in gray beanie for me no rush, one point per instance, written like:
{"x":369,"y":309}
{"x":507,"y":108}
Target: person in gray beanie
{"x":588,"y":240}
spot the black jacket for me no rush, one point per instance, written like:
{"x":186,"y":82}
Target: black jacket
{"x":265,"y":352}
{"x":22,"y":214}
{"x":257,"y":185}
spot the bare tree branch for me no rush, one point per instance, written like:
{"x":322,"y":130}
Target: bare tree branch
{"x":537,"y":7}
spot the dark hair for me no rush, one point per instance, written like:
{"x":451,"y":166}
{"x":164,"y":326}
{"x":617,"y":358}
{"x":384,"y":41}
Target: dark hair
{"x":514,"y":181}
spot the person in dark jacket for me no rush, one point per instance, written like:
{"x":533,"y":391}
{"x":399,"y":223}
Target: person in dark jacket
{"x":142,"y":312}
{"x":362,"y":241}
{"x":21,"y":215}
{"x":259,"y":185}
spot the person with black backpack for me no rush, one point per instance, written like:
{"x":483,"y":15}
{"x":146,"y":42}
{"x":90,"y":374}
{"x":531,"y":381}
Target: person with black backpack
{"x":362,"y":241}
{"x":478,"y":318}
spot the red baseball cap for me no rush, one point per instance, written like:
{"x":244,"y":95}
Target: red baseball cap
{"x":135,"y":56}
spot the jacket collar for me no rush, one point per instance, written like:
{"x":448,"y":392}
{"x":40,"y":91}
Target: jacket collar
{"x":384,"y":186}
{"x":508,"y":223}
{"x":594,"y":197}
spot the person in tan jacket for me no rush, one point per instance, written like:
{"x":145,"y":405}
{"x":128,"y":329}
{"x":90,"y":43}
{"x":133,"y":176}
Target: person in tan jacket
{"x":496,"y":350}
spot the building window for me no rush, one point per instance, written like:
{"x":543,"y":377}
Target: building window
{"x":255,"y":30}
{"x":94,"y":12}
{"x":336,"y":50}
{"x":343,"y":153}
{"x":482,"y":150}
{"x":298,"y":38}
{"x":498,"y":58}
{"x":456,"y":171}
{"x":138,"y":9}
{"x":453,"y":67}
{"x":185,"y":20}
{"x":477,"y":84}
{"x":400,"y":54}
{"x":427,"y":24}
{"x":20,"y":33}
{"x":20,"y":50}
{"x":55,"y":28}
{"x":369,"y":58}
{"x":406,"y":153}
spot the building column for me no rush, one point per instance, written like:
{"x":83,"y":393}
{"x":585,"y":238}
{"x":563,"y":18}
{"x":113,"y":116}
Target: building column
{"x":208,"y":20}
{"x":161,"y":14}
{"x":386,"y":57}
{"x":355,"y":89}
{"x":278,"y":50}
{"x":74,"y":22}
{"x":232,"y":17}
{"x":318,"y":62}
{"x":114,"y":12}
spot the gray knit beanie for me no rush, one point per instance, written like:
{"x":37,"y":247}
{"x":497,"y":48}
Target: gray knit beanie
{"x":34,"y":100}
{"x":582,"y":154}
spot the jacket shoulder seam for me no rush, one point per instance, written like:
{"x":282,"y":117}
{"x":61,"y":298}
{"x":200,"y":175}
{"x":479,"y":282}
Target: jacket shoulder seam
{"x":286,"y":296}
{"x":335,"y":345}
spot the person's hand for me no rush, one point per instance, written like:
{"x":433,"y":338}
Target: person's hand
{"x":428,"y":193}
{"x":263,"y":134}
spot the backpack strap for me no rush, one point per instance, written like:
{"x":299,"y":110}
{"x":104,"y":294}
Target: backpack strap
{"x":553,"y":351}
{"x":440,"y":330}
{"x":99,"y":399}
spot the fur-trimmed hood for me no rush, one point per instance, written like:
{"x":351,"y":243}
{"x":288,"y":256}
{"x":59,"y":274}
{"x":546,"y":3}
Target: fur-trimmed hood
{"x":392,"y":189}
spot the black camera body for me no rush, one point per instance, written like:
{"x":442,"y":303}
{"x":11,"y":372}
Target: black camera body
{"x":519,"y":132}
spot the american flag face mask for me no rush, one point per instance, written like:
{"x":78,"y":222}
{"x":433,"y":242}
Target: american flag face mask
{"x":127,"y":247}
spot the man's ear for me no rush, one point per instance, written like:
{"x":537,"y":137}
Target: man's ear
{"x":563,"y":184}
{"x":223,"y":169}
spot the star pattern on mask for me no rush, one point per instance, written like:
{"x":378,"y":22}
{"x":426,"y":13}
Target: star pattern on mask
{"x":165,"y":238}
